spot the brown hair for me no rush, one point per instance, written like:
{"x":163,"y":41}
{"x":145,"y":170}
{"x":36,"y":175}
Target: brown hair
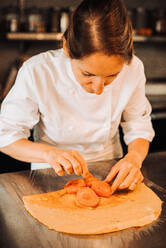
{"x":100,"y":26}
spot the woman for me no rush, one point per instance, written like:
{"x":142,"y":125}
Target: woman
{"x":75,"y":99}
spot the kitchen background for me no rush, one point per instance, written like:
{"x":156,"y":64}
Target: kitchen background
{"x":29,"y":27}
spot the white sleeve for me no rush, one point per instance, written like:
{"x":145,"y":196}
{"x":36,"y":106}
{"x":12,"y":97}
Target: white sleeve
{"x":19,"y":110}
{"x":136,"y":119}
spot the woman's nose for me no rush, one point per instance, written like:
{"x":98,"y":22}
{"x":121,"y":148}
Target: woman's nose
{"x":98,"y":85}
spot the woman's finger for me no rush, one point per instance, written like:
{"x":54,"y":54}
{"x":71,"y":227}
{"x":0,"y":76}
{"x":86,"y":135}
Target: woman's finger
{"x":65,"y":163}
{"x":112,"y":173}
{"x":134,"y":184}
{"x":123,"y":173}
{"x":76,"y":166}
{"x":58,"y":169}
{"x":134,"y":173}
{"x":81,"y":160}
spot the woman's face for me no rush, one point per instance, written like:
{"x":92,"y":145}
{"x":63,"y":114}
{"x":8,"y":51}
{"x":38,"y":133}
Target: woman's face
{"x":96,"y":71}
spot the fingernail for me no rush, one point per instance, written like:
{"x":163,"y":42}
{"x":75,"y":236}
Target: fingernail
{"x":70,"y":171}
{"x":113,"y":189}
{"x":121,"y":185}
{"x":78,"y":173}
{"x":60,"y":172}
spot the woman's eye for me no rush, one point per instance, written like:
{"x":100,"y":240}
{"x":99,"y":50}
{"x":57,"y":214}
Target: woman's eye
{"x":112,"y":76}
{"x":86,"y":74}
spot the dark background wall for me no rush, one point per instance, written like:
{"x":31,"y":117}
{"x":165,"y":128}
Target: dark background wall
{"x":67,"y":3}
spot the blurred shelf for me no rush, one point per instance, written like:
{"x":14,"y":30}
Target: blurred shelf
{"x":158,"y":88}
{"x":158,"y":103}
{"x":152,"y":38}
{"x":34,"y":36}
{"x":158,"y":115}
{"x":58,"y":37}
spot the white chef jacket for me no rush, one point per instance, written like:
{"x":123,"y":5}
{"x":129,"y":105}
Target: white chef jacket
{"x":47,"y":97}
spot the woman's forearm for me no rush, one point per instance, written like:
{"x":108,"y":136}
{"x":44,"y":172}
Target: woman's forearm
{"x":27,"y":151}
{"x":138,"y":149}
{"x":60,"y":160}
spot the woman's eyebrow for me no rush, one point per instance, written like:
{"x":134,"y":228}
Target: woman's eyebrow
{"x":115,"y":74}
{"x":91,"y":74}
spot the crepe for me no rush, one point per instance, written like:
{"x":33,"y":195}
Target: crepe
{"x":59,"y":211}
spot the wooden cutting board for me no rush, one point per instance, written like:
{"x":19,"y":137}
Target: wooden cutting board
{"x":58,"y":211}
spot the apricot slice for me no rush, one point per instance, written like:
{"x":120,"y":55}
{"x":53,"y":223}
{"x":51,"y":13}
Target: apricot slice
{"x":89,"y":180}
{"x":79,"y":182}
{"x":87,"y":197}
{"x":73,"y":186}
{"x":101,"y":188}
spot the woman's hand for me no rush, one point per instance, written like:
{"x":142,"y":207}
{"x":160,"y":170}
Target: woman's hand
{"x":127,"y":172}
{"x":65,"y":161}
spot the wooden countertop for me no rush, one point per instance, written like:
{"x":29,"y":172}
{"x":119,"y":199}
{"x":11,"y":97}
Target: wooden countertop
{"x":19,"y":229}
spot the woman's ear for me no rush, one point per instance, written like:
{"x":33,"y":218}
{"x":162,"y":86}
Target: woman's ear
{"x":65,"y":47}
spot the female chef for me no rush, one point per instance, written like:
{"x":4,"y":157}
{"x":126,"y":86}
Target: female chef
{"x":75,"y":98}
